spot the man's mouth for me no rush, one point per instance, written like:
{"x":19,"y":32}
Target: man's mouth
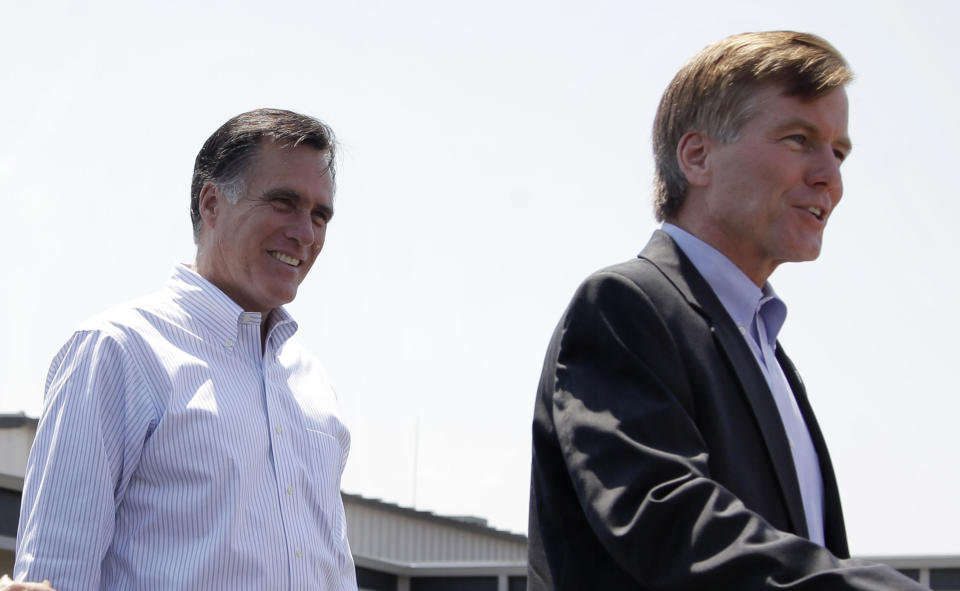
{"x":284,"y":258}
{"x":816,"y":211}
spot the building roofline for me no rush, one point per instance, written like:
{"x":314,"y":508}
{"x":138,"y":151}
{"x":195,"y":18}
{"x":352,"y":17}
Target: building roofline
{"x":918,"y":561}
{"x":12,"y":421}
{"x":442,"y":569}
{"x":11,"y":482}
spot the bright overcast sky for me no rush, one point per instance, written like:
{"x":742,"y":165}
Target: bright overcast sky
{"x":494,"y":154}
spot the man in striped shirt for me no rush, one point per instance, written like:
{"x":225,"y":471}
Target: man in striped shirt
{"x":187,"y":441}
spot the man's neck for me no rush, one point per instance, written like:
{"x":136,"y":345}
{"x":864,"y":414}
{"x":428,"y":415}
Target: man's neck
{"x":741,"y":255}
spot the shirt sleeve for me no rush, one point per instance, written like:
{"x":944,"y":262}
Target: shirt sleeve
{"x":96,"y":416}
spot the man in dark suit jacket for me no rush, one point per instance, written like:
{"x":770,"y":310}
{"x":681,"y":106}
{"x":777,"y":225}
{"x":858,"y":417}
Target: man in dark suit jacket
{"x":673,"y":443}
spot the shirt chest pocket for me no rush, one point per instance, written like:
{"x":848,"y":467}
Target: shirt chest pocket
{"x":324,"y":458}
{"x":322,"y":463}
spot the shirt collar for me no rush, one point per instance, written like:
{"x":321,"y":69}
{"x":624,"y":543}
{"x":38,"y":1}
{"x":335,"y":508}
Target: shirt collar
{"x":739,"y":295}
{"x":216,"y":312}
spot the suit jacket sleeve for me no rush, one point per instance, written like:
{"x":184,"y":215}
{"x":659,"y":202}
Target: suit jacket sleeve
{"x":618,"y":404}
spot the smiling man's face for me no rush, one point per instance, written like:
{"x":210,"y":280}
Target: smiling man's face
{"x":769,"y":192}
{"x":260,"y":248}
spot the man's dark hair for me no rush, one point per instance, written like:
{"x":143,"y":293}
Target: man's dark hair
{"x":713,"y":94}
{"x":226,"y":155}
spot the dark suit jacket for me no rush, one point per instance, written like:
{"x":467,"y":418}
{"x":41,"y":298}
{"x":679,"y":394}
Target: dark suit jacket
{"x":659,"y":457}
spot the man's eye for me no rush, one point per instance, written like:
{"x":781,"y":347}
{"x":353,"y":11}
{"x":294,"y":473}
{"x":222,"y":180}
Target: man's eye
{"x":282,"y":204}
{"x":320,"y":219}
{"x":840,"y":155}
{"x":800,"y":139}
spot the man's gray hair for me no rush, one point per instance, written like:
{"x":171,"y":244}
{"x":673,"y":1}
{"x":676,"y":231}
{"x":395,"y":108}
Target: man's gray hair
{"x":226,"y":155}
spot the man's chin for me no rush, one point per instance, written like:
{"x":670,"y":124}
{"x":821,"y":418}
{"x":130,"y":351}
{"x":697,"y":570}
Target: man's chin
{"x":812,"y":255}
{"x":286,"y":297}
{"x":805,"y":251}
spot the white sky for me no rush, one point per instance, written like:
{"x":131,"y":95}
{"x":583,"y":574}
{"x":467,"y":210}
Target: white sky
{"x":494,"y":153}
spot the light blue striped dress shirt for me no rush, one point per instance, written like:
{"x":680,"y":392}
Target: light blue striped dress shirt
{"x":760,"y":314}
{"x":174,"y":453}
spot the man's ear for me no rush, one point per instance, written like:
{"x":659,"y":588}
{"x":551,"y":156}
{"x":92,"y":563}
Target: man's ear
{"x":692,"y":150}
{"x":209,"y":203}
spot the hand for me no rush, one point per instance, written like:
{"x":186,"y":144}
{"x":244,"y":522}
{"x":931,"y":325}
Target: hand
{"x":7,"y":585}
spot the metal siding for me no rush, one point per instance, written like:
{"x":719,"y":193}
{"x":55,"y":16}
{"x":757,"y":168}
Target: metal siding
{"x":385,"y":534}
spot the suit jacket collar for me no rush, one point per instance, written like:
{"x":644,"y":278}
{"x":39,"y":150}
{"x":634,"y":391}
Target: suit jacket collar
{"x":663,"y":252}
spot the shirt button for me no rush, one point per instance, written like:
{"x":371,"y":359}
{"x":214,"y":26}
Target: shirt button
{"x":279,"y":429}
{"x":299,"y":553}
{"x":742,"y":330}
{"x":289,"y":490}
{"x":228,"y":343}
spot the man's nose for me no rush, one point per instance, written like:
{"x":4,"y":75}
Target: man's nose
{"x":300,"y":228}
{"x":824,"y":171}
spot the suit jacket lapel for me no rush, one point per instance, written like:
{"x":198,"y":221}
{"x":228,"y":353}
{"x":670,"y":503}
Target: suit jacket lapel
{"x":663,"y":252}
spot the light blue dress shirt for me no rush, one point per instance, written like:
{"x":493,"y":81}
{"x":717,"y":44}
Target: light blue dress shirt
{"x":174,"y":453}
{"x":760,"y":314}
